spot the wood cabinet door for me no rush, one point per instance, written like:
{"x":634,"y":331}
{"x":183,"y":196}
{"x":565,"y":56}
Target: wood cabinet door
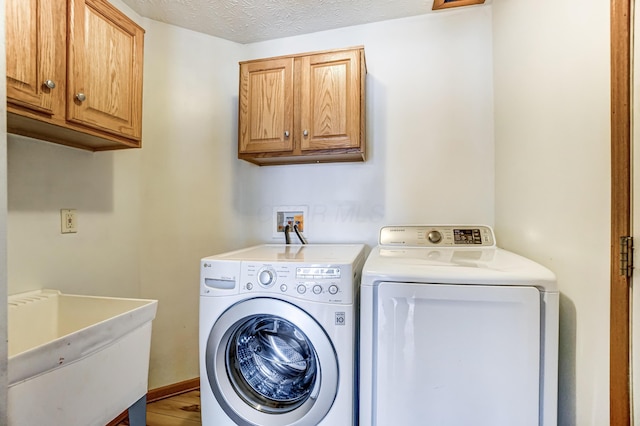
{"x":104,"y":69}
{"x":330,"y":100}
{"x":265,"y":122}
{"x":35,"y":36}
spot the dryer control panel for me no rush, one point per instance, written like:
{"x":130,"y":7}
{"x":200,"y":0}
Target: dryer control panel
{"x":437,"y":236}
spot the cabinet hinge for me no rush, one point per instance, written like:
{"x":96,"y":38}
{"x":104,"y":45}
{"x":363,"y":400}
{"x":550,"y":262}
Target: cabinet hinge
{"x":626,"y":256}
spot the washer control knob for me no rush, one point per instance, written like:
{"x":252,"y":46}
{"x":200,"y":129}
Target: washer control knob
{"x":283,"y":288}
{"x":266,"y":277}
{"x":434,"y":237}
{"x":333,"y":289}
{"x":301,"y":289}
{"x":317,"y":289}
{"x":249,"y":286}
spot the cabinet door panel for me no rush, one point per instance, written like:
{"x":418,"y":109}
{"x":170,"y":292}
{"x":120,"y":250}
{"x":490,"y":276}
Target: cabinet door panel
{"x":266,"y":106}
{"x":35,"y":53}
{"x":330,"y":101}
{"x":105,"y":65}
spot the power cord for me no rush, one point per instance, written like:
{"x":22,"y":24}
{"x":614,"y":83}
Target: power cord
{"x":287,"y":239}
{"x":300,"y":237}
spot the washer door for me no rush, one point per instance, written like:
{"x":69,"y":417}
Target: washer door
{"x":269,"y":363}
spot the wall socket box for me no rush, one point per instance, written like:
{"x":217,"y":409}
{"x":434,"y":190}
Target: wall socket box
{"x":68,"y":221}
{"x":289,"y":215}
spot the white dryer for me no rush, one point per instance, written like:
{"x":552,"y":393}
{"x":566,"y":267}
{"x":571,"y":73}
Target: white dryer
{"x":278,"y":329}
{"x":456,"y":332}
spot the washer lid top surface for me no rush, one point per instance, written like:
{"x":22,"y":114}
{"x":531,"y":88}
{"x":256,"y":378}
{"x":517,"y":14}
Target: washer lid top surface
{"x":467,"y":263}
{"x":308,"y":253}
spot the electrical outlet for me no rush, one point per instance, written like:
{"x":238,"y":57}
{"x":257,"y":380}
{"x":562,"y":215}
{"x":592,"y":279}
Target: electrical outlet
{"x":291,"y":219}
{"x":288,"y":215}
{"x":68,"y":221}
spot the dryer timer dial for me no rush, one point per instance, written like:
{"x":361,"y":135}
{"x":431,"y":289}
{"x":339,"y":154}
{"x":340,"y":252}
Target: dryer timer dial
{"x":434,"y":237}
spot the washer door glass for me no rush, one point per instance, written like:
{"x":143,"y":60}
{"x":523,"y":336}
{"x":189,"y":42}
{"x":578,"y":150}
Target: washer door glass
{"x":272,"y":364}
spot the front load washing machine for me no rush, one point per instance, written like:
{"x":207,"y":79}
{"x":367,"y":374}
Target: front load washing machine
{"x":278,"y":330}
{"x":456,"y":332}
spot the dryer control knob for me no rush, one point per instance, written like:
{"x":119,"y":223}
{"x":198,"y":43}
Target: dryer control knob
{"x":434,"y":237}
{"x":266,"y":277}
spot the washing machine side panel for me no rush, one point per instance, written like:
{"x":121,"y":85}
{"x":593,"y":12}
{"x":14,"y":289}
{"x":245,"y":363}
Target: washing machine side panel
{"x":456,"y":355}
{"x":549,"y":391}
{"x":340,"y":322}
{"x":366,"y":355}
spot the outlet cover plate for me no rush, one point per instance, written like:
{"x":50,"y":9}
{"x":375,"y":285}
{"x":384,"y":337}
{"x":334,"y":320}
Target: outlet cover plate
{"x":68,"y":221}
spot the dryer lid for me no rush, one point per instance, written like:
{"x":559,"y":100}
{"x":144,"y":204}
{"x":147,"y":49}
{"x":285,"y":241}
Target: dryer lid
{"x":462,"y":255}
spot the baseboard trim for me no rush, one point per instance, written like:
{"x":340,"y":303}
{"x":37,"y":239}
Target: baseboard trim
{"x":173,"y":389}
{"x":162,"y":393}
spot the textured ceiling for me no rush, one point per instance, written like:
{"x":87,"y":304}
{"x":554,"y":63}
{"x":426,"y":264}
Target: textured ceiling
{"x":248,"y":21}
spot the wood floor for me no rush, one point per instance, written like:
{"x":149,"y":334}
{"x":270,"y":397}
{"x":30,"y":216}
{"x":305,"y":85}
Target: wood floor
{"x":178,"y":410}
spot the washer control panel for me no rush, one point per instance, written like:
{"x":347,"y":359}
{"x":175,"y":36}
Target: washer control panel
{"x":437,"y":236}
{"x":323,"y":273}
{"x":322,"y":283}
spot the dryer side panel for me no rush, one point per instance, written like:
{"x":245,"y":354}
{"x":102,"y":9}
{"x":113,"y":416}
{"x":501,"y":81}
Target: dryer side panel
{"x":456,"y":355}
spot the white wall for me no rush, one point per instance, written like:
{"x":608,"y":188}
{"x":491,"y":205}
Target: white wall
{"x":102,"y":258}
{"x":552,"y":106}
{"x":429,"y":130}
{"x":188,"y":173}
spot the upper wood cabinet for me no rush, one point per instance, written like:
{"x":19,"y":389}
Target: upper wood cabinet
{"x":266,"y":106}
{"x":31,"y":44}
{"x":304,"y":108}
{"x":74,"y":73}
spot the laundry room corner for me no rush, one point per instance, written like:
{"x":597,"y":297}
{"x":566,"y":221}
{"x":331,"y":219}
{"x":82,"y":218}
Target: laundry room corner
{"x":552,"y":106}
{"x":187,"y":170}
{"x":495,"y":114}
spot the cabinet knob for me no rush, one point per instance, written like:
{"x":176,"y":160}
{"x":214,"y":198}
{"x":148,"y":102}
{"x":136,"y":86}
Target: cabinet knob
{"x":305,"y":133}
{"x":50,"y":84}
{"x":286,"y":133}
{"x":81,"y":97}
